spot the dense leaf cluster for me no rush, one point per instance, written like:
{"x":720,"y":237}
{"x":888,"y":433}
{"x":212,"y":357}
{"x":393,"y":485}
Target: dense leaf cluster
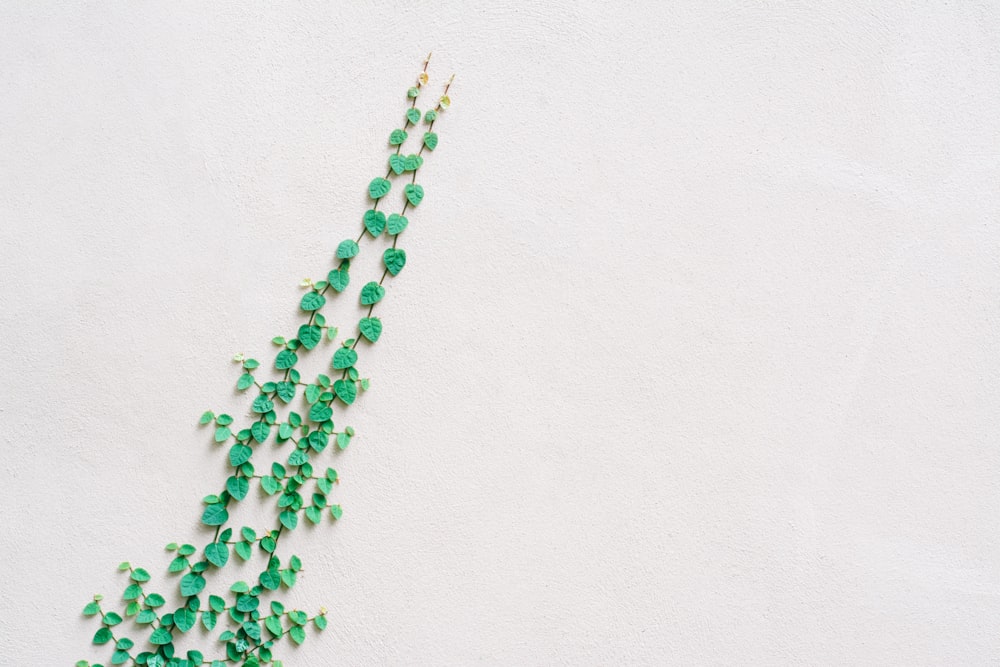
{"x":296,"y":414}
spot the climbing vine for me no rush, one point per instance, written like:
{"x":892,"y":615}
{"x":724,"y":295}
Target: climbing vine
{"x":248,"y":617}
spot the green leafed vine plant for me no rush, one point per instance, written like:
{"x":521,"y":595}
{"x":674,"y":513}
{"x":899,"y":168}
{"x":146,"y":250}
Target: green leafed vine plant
{"x":247,"y":616}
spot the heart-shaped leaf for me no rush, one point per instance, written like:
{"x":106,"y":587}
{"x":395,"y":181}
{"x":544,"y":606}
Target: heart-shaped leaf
{"x":348,"y":248}
{"x":345,"y":357}
{"x":286,"y":391}
{"x":430,"y":116}
{"x":412,"y":162}
{"x":374,"y":222}
{"x":192,"y":584}
{"x":371,"y":328}
{"x":397,"y":137}
{"x":260,"y":431}
{"x":338,"y":279}
{"x":371,"y":293}
{"x":312,"y":301}
{"x":397,"y":223}
{"x":237,"y":487}
{"x":395,"y":260}
{"x":320,"y":412}
{"x":413,"y":115}
{"x":431,"y":140}
{"x":160,"y":637}
{"x":379,"y":187}
{"x":217,"y":553}
{"x":396,"y":163}
{"x":346,"y":391}
{"x":215,"y":515}
{"x":414,"y":193}
{"x":310,"y":335}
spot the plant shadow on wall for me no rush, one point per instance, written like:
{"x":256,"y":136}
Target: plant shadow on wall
{"x":247,"y":616}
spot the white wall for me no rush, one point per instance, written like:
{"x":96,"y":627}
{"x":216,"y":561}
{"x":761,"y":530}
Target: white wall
{"x":695,"y":359}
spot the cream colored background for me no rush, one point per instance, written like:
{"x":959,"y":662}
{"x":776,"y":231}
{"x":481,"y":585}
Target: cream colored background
{"x":695,"y":359}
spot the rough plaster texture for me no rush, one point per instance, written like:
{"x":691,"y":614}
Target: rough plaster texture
{"x":695,"y":360}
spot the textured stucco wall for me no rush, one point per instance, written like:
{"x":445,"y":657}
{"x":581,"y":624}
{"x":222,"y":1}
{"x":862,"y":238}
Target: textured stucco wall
{"x":695,"y":359}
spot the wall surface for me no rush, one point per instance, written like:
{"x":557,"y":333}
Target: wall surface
{"x":695,"y":361}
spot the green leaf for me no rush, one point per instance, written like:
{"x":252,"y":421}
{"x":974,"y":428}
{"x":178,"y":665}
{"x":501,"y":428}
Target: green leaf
{"x":223,"y":420}
{"x":414,"y":193}
{"x":378,"y":188}
{"x":371,"y":328}
{"x":289,"y":519}
{"x":184,"y":619}
{"x":91,"y":609}
{"x":222,"y":434}
{"x":395,"y":260}
{"x":217,"y":553}
{"x":260,"y":431}
{"x":273,"y":625}
{"x":239,"y":454}
{"x":397,"y":163}
{"x":245,"y":381}
{"x":343,"y":440}
{"x":297,"y":633}
{"x":286,"y":391}
{"x":125,"y":643}
{"x":397,"y":137}
{"x":102,"y":636}
{"x":336,"y":511}
{"x":313,"y":514}
{"x":372,"y":293}
{"x":285,"y":360}
{"x":413,"y":115}
{"x":206,"y":417}
{"x":318,"y":440}
{"x":412,"y":162}
{"x":431,"y":115}
{"x":347,"y":249}
{"x":192,"y":584}
{"x":112,"y":619}
{"x":344,"y":357}
{"x":269,"y":484}
{"x":270,"y":579}
{"x":346,"y":391}
{"x":431,"y":140}
{"x":178,"y":564}
{"x":262,"y":404}
{"x":155,"y":600}
{"x":310,"y":335}
{"x":215,"y":515}
{"x":250,"y":364}
{"x":339,"y":279}
{"x":320,"y":412}
{"x":375,"y":220}
{"x":237,"y":487}
{"x":140,"y":575}
{"x":132,"y":592}
{"x":243,"y":550}
{"x":247,"y":603}
{"x":320,"y":622}
{"x":312,"y":301}
{"x":209,"y":619}
{"x":160,"y":637}
{"x":119,"y":657}
{"x":396,"y":223}
{"x":145,"y":616}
